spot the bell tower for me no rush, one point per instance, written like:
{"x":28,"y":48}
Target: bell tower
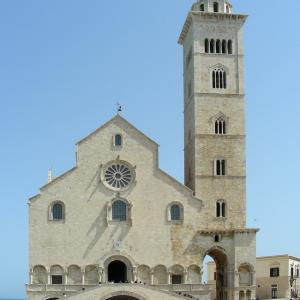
{"x":214,"y":111}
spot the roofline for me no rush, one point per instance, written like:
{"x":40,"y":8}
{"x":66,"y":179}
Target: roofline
{"x":207,"y":15}
{"x":111,"y":120}
{"x":278,"y":256}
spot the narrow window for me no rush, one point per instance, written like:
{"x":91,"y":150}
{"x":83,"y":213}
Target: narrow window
{"x":223,"y":209}
{"x":292,"y":272}
{"x":206,"y":46}
{"x":57,"y":212}
{"x":119,"y":211}
{"x":218,"y":46}
{"x":220,"y":126}
{"x":118,"y":140}
{"x":212,"y":46}
{"x":229,"y":46}
{"x":274,"y":291}
{"x":221,"y":79}
{"x":218,"y":210}
{"x":224,"y":80}
{"x":214,"y":79}
{"x":202,"y":7}
{"x":220,"y":167}
{"x":224,"y":47}
{"x":217,"y":238}
{"x":216,"y":7}
{"x":175,"y":213}
{"x":218,"y":79}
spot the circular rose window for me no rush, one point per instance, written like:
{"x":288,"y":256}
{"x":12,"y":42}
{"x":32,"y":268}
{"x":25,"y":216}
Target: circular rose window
{"x":118,"y":175}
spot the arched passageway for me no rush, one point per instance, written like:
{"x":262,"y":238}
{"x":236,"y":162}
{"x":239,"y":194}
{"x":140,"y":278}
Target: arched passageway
{"x":117,"y":272}
{"x":220,"y":275}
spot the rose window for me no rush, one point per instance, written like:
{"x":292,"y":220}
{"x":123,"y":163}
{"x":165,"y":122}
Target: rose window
{"x":118,"y":176}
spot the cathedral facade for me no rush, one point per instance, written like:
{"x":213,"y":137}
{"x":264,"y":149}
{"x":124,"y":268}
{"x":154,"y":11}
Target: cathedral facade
{"x":117,"y":227}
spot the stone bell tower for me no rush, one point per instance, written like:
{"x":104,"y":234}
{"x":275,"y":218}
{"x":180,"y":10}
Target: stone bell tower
{"x":214,"y":111}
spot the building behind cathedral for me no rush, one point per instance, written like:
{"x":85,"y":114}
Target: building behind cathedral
{"x":117,"y":227}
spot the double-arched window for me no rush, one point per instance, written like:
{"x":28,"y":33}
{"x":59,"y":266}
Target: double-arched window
{"x":219,"y":78}
{"x":220,"y":209}
{"x":220,"y":167}
{"x":57,"y":211}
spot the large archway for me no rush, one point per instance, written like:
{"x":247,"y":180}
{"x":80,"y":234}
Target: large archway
{"x":218,"y":272}
{"x":117,"y":272}
{"x":122,"y":298}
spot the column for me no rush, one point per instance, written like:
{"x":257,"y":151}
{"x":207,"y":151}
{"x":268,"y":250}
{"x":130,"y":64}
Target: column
{"x":48,"y":277}
{"x":100,"y":275}
{"x":169,"y":277}
{"x":83,"y":277}
{"x":152,"y":277}
{"x":31,"y":277}
{"x":65,"y":277}
{"x":134,"y":271}
{"x":185,"y":279}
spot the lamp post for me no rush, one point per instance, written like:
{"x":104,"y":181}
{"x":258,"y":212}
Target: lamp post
{"x":292,"y":280}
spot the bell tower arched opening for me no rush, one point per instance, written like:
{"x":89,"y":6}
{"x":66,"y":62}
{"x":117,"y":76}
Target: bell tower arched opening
{"x":117,"y":272}
{"x":217,"y":272}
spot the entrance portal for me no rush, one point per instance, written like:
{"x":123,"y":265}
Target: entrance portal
{"x":117,"y":272}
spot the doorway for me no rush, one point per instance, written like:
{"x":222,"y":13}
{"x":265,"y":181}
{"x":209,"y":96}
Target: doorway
{"x":117,"y":272}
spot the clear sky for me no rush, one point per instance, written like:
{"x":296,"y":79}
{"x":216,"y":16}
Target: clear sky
{"x":65,"y":64}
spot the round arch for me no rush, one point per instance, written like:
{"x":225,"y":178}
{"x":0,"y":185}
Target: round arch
{"x":122,"y":260}
{"x":123,"y":296}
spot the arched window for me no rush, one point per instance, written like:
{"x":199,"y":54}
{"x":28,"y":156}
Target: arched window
{"x":206,"y":46}
{"x":220,"y":167}
{"x":175,"y":212}
{"x":224,"y":50}
{"x":119,"y":211}
{"x":219,"y":79}
{"x":220,"y":209}
{"x":218,"y":46}
{"x":229,"y":46}
{"x":216,"y":7}
{"x":57,"y":211}
{"x":202,"y":7}
{"x":56,"y":274}
{"x":220,"y":126}
{"x":212,"y":46}
{"x":118,"y":140}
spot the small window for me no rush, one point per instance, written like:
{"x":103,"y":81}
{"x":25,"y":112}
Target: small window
{"x":118,"y":140}
{"x":220,"y":167}
{"x":57,"y":211}
{"x":218,"y":46}
{"x":216,"y":7}
{"x":202,"y":7}
{"x":224,"y":47}
{"x":176,"y":279}
{"x":292,"y":272}
{"x":217,"y":238}
{"x":57,"y":279}
{"x":274,"y":272}
{"x":119,"y":211}
{"x":175,"y":212}
{"x":212,"y":46}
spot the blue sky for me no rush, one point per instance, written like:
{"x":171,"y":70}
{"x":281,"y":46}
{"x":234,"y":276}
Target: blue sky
{"x":65,"y":64}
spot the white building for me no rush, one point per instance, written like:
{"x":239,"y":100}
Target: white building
{"x":117,"y":217}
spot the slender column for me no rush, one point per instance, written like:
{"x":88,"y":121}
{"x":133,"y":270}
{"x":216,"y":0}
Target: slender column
{"x":100,"y":274}
{"x":65,"y":277}
{"x":31,"y":276}
{"x":83,"y":277}
{"x":152,"y":277}
{"x":48,"y":278}
{"x":169,"y":277}
{"x":134,"y":271}
{"x":185,"y":277}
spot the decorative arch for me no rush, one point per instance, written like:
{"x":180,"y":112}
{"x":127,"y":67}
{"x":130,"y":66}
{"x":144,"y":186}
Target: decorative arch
{"x":160,"y":274}
{"x":245,"y":274}
{"x":57,"y":274}
{"x":91,"y":274}
{"x":177,"y":274}
{"x":74,"y":275}
{"x":194,"y":274}
{"x":144,"y":274}
{"x":39,"y":275}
